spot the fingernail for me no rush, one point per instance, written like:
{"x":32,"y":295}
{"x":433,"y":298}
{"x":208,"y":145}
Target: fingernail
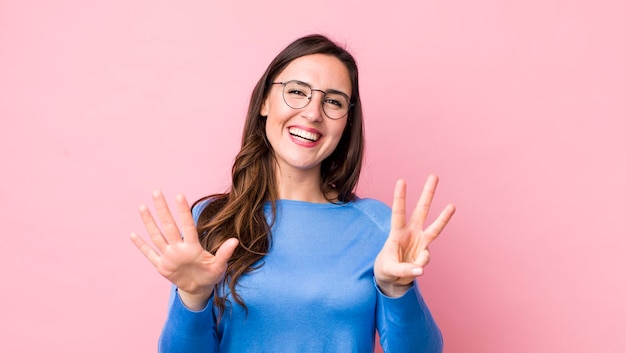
{"x":417,"y":271}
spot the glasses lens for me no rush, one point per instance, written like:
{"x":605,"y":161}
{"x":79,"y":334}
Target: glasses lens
{"x":296,"y":94}
{"x":336,"y":105}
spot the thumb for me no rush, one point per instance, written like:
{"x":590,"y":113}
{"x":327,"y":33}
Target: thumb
{"x":226,"y":250}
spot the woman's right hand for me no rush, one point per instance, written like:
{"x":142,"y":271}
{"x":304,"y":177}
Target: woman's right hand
{"x":181,"y":259}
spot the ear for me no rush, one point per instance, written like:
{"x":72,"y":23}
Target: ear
{"x":264,"y":107}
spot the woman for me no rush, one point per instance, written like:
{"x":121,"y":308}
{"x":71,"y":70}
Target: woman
{"x":290,"y":259}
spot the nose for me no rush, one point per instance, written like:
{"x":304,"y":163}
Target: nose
{"x":313,"y":110}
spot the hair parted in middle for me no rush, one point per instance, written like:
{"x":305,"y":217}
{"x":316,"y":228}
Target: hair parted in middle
{"x":239,"y":213}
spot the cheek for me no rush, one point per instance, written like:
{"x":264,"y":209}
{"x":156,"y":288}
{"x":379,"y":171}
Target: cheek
{"x":274,"y":107}
{"x":340,"y":129}
{"x":337,"y":134}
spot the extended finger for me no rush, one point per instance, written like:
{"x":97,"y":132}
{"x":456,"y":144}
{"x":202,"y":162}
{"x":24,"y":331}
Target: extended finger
{"x":188,"y":226}
{"x":170,"y":229}
{"x":398,"y":208}
{"x":418,"y":217}
{"x":145,"y":249}
{"x":439,"y":224}
{"x":153,"y":230}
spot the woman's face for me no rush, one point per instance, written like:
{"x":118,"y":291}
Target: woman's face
{"x":303,"y":138}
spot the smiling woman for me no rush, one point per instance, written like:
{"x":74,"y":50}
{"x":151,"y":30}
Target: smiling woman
{"x":290,"y":259}
{"x":302,"y":135}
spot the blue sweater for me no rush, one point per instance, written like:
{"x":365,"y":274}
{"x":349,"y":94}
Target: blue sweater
{"x":315,"y":292}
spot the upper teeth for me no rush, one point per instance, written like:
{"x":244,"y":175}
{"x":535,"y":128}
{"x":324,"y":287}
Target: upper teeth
{"x":304,"y":134}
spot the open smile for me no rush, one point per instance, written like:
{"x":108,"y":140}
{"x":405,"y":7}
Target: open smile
{"x":303,"y":135}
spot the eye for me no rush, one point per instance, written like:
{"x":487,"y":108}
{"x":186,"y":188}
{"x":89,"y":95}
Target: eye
{"x":296,"y":92}
{"x":335,"y":101}
{"x":297,"y":89}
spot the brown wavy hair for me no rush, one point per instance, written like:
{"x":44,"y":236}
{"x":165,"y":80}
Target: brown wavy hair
{"x":239,"y":213}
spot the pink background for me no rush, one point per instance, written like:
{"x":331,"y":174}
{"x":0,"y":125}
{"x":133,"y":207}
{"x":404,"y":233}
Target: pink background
{"x":519,"y":106}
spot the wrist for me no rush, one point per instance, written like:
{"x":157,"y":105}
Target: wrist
{"x":195,"y":301}
{"x":394,"y":290}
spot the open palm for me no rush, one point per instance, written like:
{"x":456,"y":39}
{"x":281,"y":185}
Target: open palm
{"x":405,"y":253}
{"x":180,"y":257}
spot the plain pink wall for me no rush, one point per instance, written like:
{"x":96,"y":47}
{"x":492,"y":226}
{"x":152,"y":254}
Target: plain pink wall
{"x":517,"y":105}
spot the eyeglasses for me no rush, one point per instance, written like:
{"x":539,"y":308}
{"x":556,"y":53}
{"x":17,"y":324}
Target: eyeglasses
{"x":298,"y":94}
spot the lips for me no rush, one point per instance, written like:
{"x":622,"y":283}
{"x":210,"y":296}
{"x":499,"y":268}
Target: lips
{"x":304,"y":135}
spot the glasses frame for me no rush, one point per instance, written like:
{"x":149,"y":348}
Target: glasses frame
{"x":350,"y":103}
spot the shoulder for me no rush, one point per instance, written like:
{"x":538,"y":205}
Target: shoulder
{"x":376,"y":211}
{"x":197,"y":208}
{"x":207,"y":207}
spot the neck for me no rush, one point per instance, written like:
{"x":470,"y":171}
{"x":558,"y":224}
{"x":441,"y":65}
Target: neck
{"x":300,"y":185}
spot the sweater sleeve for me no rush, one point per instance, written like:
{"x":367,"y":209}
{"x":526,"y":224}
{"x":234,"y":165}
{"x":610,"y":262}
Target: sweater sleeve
{"x":188,"y":331}
{"x":405,"y":324}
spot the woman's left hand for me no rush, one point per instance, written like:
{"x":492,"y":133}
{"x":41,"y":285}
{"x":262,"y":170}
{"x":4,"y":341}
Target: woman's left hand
{"x":405,"y":253}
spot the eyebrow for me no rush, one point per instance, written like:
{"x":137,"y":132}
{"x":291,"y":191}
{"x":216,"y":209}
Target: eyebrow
{"x":339,"y":92}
